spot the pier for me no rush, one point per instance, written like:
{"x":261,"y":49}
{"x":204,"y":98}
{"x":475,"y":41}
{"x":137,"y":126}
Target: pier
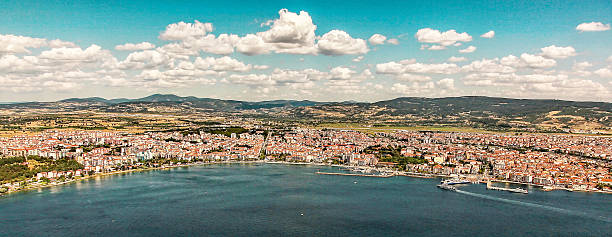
{"x":514,"y":190}
{"x":362,"y":175}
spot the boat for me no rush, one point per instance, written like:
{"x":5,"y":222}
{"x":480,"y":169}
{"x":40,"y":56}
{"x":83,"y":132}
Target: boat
{"x":455,"y":181}
{"x":513,"y":190}
{"x":446,"y":187}
{"x":518,"y":190}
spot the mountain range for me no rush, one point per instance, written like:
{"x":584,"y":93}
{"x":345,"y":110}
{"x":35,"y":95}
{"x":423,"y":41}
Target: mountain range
{"x":471,"y":111}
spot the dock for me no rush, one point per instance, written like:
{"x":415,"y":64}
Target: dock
{"x":514,"y":190}
{"x":362,"y":175}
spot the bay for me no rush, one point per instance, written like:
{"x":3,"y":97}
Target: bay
{"x":291,"y":200}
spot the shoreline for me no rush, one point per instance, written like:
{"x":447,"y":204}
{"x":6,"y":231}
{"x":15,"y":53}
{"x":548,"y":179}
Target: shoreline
{"x":122,"y":172}
{"x":405,"y":174}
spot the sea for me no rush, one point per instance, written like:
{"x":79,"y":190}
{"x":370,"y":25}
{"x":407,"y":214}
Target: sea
{"x":292,"y":200}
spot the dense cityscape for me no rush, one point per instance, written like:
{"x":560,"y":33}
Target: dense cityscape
{"x":551,"y":161}
{"x":305,"y":118}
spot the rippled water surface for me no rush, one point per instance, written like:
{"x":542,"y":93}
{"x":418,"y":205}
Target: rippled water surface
{"x":273,"y":200}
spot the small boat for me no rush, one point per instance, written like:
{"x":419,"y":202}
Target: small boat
{"x":518,"y":190}
{"x":446,"y":187}
{"x":455,"y":181}
{"x":513,"y":190}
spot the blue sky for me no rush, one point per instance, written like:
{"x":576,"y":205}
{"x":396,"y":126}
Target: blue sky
{"x":521,"y":27}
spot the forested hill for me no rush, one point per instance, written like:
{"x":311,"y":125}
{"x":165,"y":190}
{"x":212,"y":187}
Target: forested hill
{"x":473,"y":111}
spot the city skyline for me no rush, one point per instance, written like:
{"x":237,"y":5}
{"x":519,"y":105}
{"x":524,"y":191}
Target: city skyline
{"x":322,"y":51}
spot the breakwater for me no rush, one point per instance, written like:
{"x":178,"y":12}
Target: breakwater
{"x":362,"y":175}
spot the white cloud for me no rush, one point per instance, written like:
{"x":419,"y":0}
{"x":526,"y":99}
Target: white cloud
{"x":261,"y":67}
{"x":582,"y":65}
{"x":337,"y":42}
{"x":296,"y":79}
{"x":428,"y":35}
{"x":539,"y":85}
{"x":604,"y":72}
{"x":298,"y":50}
{"x":135,"y":47}
{"x":412,"y":77}
{"x":229,"y":64}
{"x":510,"y":80}
{"x":224,"y":63}
{"x":580,"y":69}
{"x":488,"y":65}
{"x":536,"y":61}
{"x":71,"y":55}
{"x":144,"y":59}
{"x":358,"y":58}
{"x":346,"y":81}
{"x":341,"y":73}
{"x":173,"y":78}
{"x":446,"y":84}
{"x":13,"y":64}
{"x":528,"y":60}
{"x":488,"y":35}
{"x":393,"y":41}
{"x":11,"y":44}
{"x":291,"y":30}
{"x":252,"y":45}
{"x":437,"y":47}
{"x":413,"y":88}
{"x":56,"y":43}
{"x":377,"y":39}
{"x":395,"y":68}
{"x":454,"y":59}
{"x":558,"y":52}
{"x":469,"y":49}
{"x":183,"y":31}
{"x":574,"y":87}
{"x":593,"y":26}
{"x":512,"y":61}
{"x":295,"y":34}
{"x":222,"y":44}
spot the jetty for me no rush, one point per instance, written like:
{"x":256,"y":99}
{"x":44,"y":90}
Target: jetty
{"x":362,"y":175}
{"x":514,"y":190}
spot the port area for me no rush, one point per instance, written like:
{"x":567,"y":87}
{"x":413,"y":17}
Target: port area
{"x":514,"y":190}
{"x":361,"y":175}
{"x":447,"y":187}
{"x":447,"y":184}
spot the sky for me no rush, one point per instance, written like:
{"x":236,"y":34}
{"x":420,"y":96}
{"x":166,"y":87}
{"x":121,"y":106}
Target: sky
{"x":305,"y":50}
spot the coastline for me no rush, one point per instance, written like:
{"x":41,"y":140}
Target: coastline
{"x":552,"y":188}
{"x":123,"y":172}
{"x":396,"y":173}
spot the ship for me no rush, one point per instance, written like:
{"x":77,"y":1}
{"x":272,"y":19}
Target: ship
{"x":513,"y":190}
{"x":455,"y":181}
{"x":446,"y":187}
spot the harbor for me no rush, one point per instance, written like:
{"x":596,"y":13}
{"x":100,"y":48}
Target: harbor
{"x":361,"y":175}
{"x":448,"y":184}
{"x":513,"y":190}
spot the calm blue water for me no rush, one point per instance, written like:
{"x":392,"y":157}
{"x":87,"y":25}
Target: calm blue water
{"x":269,"y":200}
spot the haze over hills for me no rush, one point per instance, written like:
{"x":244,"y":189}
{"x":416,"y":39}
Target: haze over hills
{"x":472,"y":111}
